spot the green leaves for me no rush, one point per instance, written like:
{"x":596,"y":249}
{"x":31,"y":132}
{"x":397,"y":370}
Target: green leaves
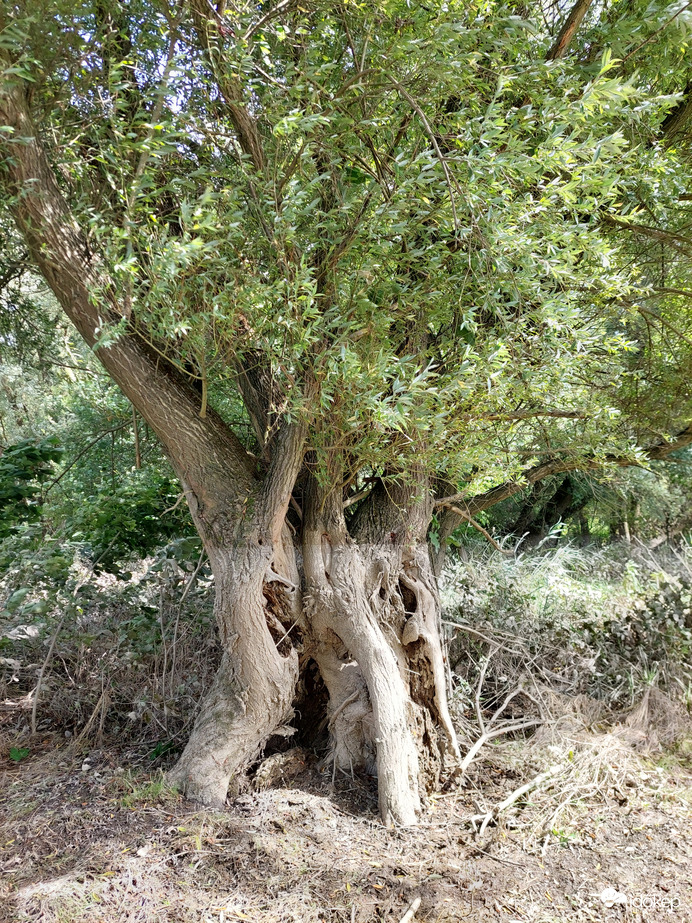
{"x":428,"y":239}
{"x":23,"y":468}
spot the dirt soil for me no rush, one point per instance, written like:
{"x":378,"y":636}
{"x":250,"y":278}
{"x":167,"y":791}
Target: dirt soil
{"x":82,"y":838}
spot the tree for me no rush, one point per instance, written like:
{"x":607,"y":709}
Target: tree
{"x":380,"y":229}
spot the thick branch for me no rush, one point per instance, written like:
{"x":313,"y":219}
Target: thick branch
{"x":676,"y":241}
{"x":286,"y":461}
{"x":204,"y":452}
{"x":568,"y":30}
{"x":259,"y":393}
{"x":675,"y":123}
{"x":474,"y":505}
{"x":210,"y":30}
{"x":399,"y":508}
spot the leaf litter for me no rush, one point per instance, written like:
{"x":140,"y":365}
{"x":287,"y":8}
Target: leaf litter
{"x":604,"y":835}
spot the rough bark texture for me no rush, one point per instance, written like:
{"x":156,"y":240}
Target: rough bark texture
{"x":372,"y":605}
{"x":675,"y":126}
{"x":568,"y":30}
{"x":337,"y":597}
{"x":252,"y":693}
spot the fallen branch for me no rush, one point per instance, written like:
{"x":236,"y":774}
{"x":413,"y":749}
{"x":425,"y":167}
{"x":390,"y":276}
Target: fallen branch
{"x":411,"y":912}
{"x":515,"y":796}
{"x":479,"y":634}
{"x":491,"y":735}
{"x":507,"y":728}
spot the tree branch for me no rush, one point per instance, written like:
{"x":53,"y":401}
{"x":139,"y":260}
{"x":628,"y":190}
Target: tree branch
{"x":673,"y":125}
{"x":657,"y":32}
{"x":477,"y":526}
{"x":210,"y":29}
{"x":15,"y":269}
{"x":283,"y":7}
{"x":676,"y":241}
{"x":197,"y":447}
{"x":455,"y":515}
{"x":568,"y":30}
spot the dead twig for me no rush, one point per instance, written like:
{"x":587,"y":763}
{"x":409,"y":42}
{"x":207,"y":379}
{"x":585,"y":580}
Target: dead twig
{"x":515,"y":796}
{"x":44,"y":667}
{"x":187,"y":589}
{"x":479,"y":634}
{"x":42,"y":671}
{"x":411,"y":912}
{"x":507,"y":728}
{"x":101,"y":706}
{"x":489,"y":732}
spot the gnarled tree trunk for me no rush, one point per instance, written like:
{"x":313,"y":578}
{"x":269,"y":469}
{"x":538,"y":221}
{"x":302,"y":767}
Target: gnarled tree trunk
{"x":366,"y":602}
{"x":371,"y":603}
{"x":253,"y":691}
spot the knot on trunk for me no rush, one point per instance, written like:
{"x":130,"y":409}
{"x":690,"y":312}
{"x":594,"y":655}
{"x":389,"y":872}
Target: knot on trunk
{"x":411,"y":631}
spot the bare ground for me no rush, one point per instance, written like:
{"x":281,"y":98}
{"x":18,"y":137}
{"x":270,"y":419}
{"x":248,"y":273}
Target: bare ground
{"x":83,"y":839}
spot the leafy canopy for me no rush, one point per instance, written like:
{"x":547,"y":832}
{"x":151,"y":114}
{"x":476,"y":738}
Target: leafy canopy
{"x":402,"y":215}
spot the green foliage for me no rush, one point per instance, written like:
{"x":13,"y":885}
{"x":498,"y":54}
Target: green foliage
{"x":607,"y":624}
{"x":17,"y":754}
{"x":23,"y":468}
{"x":127,"y":521}
{"x":430,"y":238}
{"x":644,"y":503}
{"x":147,"y":791}
{"x":97,"y":500}
{"x":162,"y":748}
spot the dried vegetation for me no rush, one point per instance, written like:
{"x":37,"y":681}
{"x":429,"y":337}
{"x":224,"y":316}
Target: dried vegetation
{"x":569,"y":692}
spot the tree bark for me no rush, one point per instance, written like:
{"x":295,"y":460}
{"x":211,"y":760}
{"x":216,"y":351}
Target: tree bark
{"x":372,"y":603}
{"x":252,"y":694}
{"x":675,"y":125}
{"x":337,"y":589}
{"x":541,"y":512}
{"x":568,"y":30}
{"x":238,"y":514}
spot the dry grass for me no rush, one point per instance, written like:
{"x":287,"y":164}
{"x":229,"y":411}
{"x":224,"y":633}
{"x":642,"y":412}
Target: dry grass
{"x":592,"y":797}
{"x":110,"y":846}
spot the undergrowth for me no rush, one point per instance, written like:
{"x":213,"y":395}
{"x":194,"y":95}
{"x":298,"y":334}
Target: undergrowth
{"x":587,"y":633}
{"x":607,"y":622}
{"x":132,"y":654}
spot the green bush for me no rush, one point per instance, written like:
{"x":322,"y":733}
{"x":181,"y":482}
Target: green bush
{"x":131,"y":520}
{"x":606,"y":622}
{"x":24,"y":467}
